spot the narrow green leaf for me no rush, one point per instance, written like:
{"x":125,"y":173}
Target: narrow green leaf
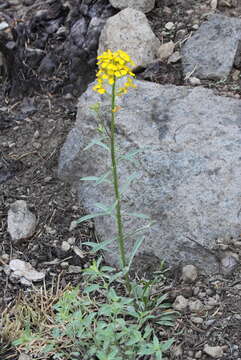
{"x":91,"y":216}
{"x":109,"y":210}
{"x":97,"y":142}
{"x":128,"y":182}
{"x":107,"y":269}
{"x":167,"y":344}
{"x":91,"y":288}
{"x":131,"y":154}
{"x":98,"y":179}
{"x":158,"y":355}
{"x":161,"y":299}
{"x":135,"y":249}
{"x":102,"y":206}
{"x":98,"y":246}
{"x":146,"y":350}
{"x":104,"y":178}
{"x":89,"y":178}
{"x":100,"y":143}
{"x":165,"y":323}
{"x":156,"y":342}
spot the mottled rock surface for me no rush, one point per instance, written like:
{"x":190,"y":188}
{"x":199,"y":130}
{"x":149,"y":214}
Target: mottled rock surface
{"x":188,"y":174}
{"x":210,"y":52}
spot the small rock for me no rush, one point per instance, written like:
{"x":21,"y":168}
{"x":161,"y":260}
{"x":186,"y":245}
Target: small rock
{"x":21,"y":268}
{"x":196,"y":291}
{"x":25,"y":282}
{"x":224,"y":3}
{"x":141,"y":5}
{"x":166,"y":10}
{"x":189,"y":273}
{"x":24,"y":357}
{"x":223,"y":246}
{"x":36,"y":145}
{"x":219,"y":36}
{"x":194,"y":81}
{"x":195,"y":306}
{"x":213,"y":351}
{"x":68,"y":96}
{"x":209,"y":323}
{"x":169,"y":26}
{"x":177,"y":351}
{"x":64,"y":264}
{"x":71,"y":240}
{"x":5,"y":257}
{"x":65,"y":246}
{"x":202,"y":295}
{"x":21,"y":221}
{"x":74,"y":269}
{"x":184,"y":291}
{"x":50,"y":230}
{"x":14,"y":278}
{"x":195,"y":26}
{"x":166,"y":50}
{"x":213,"y":4}
{"x":11,"y":144}
{"x":141,"y":45}
{"x":229,"y":262}
{"x":78,"y":252}
{"x":175,"y":57}
{"x":211,"y":303}
{"x":196,"y":319}
{"x":210,"y":292}
{"x":180,"y":35}
{"x":236,"y":75}
{"x":3,"y":25}
{"x":47,"y":179}
{"x":198,"y":354}
{"x":180,"y":304}
{"x":237,"y":244}
{"x":7,"y":270}
{"x":36,"y":134}
{"x":73,"y":225}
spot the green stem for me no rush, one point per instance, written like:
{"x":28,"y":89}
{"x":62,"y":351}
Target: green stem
{"x":119,"y":224}
{"x":116,"y":181}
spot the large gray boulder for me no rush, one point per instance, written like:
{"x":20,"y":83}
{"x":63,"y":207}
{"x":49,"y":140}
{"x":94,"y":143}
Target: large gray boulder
{"x":189,"y":171}
{"x":130,"y":31}
{"x":210,"y":52}
{"x":141,"y":5}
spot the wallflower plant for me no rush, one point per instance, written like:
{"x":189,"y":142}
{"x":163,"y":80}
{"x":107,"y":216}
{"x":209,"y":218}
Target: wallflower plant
{"x":112,"y":67}
{"x":106,"y":318}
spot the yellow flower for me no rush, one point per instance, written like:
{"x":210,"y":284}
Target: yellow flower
{"x":113,"y":65}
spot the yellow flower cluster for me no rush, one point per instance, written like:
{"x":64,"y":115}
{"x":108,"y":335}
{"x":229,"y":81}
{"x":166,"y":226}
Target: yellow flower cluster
{"x":113,"y":65}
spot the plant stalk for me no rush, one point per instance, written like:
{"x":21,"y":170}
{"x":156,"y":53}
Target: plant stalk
{"x":120,"y":235}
